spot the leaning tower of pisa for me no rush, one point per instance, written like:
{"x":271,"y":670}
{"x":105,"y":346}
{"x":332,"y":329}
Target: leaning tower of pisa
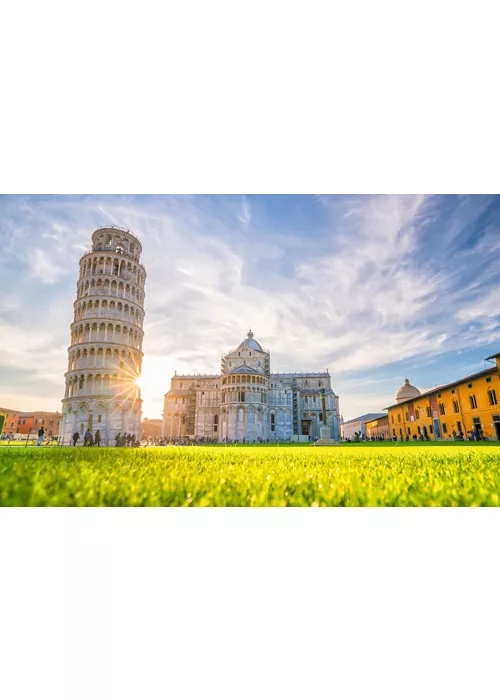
{"x":105,"y":354}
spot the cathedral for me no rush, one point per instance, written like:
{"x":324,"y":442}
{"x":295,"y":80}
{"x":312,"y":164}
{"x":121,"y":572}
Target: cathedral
{"x":246,"y":402}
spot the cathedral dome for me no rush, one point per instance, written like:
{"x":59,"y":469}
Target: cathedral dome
{"x":250,"y":342}
{"x":407,"y":391}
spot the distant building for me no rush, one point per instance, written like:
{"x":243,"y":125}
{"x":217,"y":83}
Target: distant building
{"x":11,"y":419}
{"x":378,"y":428}
{"x":30,"y":422}
{"x":466,"y":405}
{"x":248,"y":403}
{"x":151,"y":427}
{"x":358,"y":425}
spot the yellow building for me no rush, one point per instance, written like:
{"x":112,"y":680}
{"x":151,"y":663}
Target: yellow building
{"x":378,"y":429}
{"x":471,"y":404}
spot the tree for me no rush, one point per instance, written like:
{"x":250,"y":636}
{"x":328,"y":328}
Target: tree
{"x":2,"y":421}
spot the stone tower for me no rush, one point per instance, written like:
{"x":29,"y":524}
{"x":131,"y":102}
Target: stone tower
{"x":105,"y":355}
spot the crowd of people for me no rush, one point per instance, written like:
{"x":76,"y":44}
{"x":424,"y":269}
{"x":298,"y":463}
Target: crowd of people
{"x":126,"y":440}
{"x":89,"y":439}
{"x":185,"y":441}
{"x":181,"y":441}
{"x":471,"y":435}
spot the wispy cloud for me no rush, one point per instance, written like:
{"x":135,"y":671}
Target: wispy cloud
{"x":43,"y":267}
{"x":244,"y":215}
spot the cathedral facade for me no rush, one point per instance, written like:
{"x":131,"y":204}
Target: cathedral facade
{"x":246,"y":402}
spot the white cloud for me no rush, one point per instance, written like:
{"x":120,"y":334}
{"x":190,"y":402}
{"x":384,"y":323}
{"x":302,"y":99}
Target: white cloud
{"x":244,"y":215}
{"x":43,"y":266}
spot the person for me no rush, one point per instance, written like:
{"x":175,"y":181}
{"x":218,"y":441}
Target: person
{"x":76,"y":437}
{"x":86,"y":439}
{"x":98,"y":438}
{"x":118,"y":439}
{"x":41,"y":433}
{"x":454,"y":433}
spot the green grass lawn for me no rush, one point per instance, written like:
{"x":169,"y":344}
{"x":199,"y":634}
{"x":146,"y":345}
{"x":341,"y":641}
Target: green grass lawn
{"x":442,"y":474}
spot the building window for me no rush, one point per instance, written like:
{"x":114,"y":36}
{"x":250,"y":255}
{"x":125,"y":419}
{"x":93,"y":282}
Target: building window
{"x":459,"y":426}
{"x":492,"y":397}
{"x":417,"y":414}
{"x":444,"y":428}
{"x":431,"y":429}
{"x":407,"y":416}
{"x":473,"y":402}
{"x":453,"y":391}
{"x":429,"y":412}
{"x":455,"y":406}
{"x":216,"y":423}
{"x":409,"y":431}
{"x":488,"y":380}
{"x":441,"y":409}
{"x":392,"y":419}
{"x":469,"y":386}
{"x":180,"y":385}
{"x":399,"y":418}
{"x":439,"y":396}
{"x":273,"y":422}
{"x":99,"y":418}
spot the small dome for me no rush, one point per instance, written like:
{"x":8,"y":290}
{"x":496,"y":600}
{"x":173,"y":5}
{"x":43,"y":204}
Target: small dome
{"x":250,"y":342}
{"x":407,"y":391}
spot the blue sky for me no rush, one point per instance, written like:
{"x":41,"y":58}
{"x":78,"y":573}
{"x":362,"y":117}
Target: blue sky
{"x":375,"y":288}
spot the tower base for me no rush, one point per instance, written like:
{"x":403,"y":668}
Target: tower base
{"x":325,"y":438}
